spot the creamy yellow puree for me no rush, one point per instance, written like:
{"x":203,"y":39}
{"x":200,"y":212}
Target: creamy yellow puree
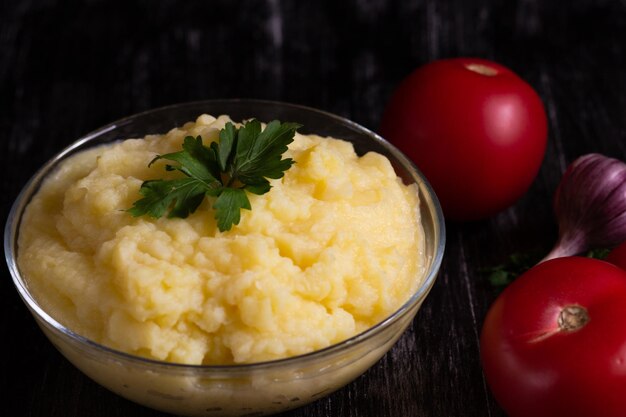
{"x":334,"y":248}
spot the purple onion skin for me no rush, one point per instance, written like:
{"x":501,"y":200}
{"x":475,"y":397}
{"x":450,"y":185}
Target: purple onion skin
{"x":590,"y":205}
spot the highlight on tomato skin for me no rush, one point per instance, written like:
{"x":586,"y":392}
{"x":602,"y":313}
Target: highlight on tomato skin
{"x":554,"y":342}
{"x":475,"y":129}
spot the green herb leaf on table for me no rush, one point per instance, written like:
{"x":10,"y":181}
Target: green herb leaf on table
{"x":500,"y":276}
{"x":242,"y":160}
{"x":598,"y":253}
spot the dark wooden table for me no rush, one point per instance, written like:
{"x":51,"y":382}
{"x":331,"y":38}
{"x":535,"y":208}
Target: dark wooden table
{"x":68,"y":67}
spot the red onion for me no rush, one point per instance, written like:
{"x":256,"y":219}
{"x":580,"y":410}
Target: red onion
{"x":590,"y":205}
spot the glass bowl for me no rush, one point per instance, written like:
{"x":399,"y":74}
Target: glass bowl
{"x":234,"y":390}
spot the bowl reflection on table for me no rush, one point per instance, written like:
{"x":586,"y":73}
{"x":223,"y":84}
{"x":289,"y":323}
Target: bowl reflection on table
{"x":248,"y":389}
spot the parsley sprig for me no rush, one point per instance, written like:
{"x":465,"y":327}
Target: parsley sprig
{"x":241,"y":160}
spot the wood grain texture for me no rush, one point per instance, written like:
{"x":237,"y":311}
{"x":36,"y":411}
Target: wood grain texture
{"x":68,"y":67}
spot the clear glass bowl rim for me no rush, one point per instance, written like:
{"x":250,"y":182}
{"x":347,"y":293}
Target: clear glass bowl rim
{"x":32,"y":186}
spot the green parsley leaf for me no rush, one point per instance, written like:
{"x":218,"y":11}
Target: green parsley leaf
{"x":598,"y":253}
{"x":500,"y":276}
{"x":228,"y":136}
{"x":516,"y":264}
{"x":195,"y":160}
{"x":242,"y":160}
{"x":256,"y":159}
{"x":228,"y":206}
{"x":184,"y":194}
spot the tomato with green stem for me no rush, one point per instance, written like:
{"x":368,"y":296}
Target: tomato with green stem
{"x":554,"y":342}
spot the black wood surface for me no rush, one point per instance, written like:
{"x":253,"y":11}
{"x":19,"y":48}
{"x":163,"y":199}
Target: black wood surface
{"x":68,"y":67}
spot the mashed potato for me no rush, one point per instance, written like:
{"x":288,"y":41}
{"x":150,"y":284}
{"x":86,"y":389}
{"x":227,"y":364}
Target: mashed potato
{"x":334,"y":248}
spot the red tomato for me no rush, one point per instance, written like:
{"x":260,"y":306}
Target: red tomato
{"x":618,"y":256}
{"x":554,"y":342}
{"x":474,"y":128}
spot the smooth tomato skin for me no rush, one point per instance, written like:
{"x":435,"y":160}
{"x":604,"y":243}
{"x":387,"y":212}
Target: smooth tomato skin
{"x":618,"y":256}
{"x":535,"y":370}
{"x":479,"y":139}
